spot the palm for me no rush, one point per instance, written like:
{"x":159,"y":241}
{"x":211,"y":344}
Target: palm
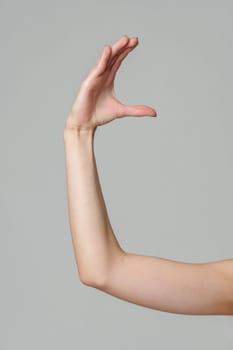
{"x":96,"y":103}
{"x":107,"y":107}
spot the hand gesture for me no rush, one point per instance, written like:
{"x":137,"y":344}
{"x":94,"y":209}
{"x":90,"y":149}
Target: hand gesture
{"x":96,"y":103}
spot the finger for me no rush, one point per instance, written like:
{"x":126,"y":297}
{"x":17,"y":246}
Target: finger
{"x":115,"y":66}
{"x":104,"y":60}
{"x":119,"y":45}
{"x":108,"y":54}
{"x":136,"y":111}
{"x":131,"y":43}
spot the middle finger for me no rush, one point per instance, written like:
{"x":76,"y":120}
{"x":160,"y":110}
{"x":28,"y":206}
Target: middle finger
{"x":119,"y":45}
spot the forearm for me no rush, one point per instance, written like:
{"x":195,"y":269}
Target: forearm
{"x":95,"y":245}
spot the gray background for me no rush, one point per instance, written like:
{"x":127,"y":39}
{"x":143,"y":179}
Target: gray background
{"x":167,"y":182}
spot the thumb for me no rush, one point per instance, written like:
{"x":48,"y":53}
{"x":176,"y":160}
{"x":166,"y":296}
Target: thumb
{"x":136,"y":111}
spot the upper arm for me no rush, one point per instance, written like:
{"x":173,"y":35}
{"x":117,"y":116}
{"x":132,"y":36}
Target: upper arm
{"x":172,"y":286}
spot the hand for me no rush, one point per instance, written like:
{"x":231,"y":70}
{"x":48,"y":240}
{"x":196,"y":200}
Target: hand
{"x":96,"y":103}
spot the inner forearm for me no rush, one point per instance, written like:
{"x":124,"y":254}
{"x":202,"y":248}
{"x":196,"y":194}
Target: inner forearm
{"x":94,"y":243}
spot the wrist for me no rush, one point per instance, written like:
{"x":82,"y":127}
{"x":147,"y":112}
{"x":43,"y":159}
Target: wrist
{"x":78,"y":133}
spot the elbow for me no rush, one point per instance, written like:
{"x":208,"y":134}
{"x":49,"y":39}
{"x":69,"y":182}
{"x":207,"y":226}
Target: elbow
{"x":101,"y":277}
{"x":91,"y":277}
{"x":93,"y":281}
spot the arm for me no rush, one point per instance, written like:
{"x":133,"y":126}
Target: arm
{"x":162,"y":284}
{"x":148,"y":281}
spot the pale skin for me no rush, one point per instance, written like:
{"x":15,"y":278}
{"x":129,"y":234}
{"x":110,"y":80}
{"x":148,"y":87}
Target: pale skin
{"x":153,"y":282}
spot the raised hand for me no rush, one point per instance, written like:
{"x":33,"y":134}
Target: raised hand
{"x":96,"y":103}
